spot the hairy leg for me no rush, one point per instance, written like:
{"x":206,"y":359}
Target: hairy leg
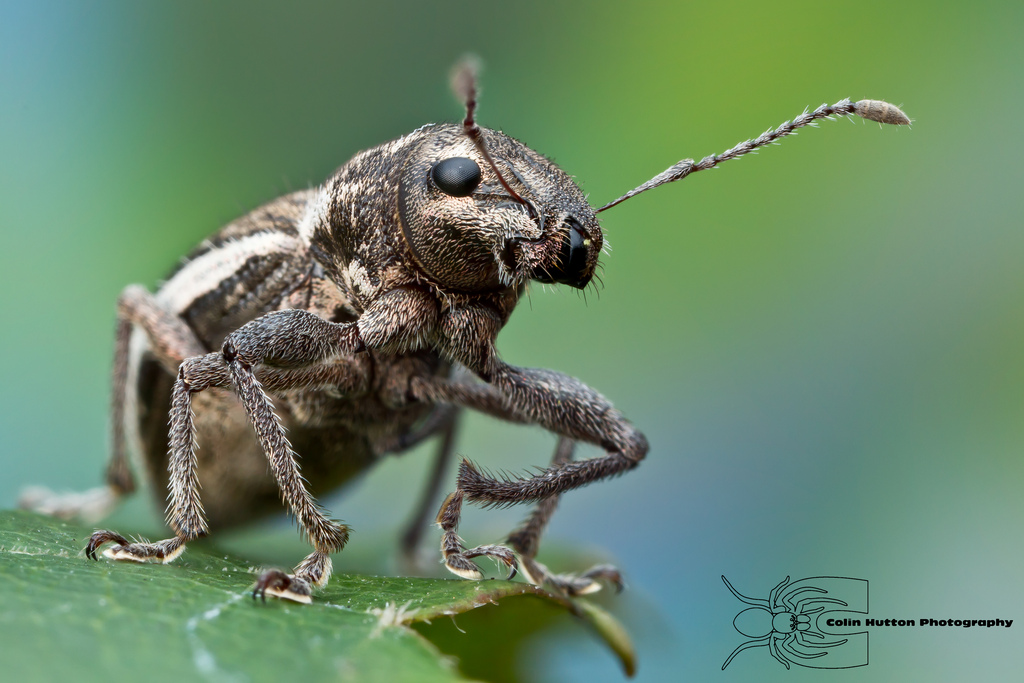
{"x":553,"y":400}
{"x":447,"y":429}
{"x":287,"y":349}
{"x":525,"y":540}
{"x":319,"y":359}
{"x":171,"y":341}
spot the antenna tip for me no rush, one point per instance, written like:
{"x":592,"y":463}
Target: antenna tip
{"x":464,"y":77}
{"x":883,"y":112}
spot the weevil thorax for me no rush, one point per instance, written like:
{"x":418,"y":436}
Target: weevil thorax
{"x":433,"y":203}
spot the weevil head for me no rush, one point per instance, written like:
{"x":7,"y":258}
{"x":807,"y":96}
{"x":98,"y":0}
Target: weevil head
{"x":469,"y":234}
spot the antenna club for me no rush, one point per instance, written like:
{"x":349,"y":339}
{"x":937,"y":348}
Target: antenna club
{"x":882,"y":112}
{"x":463,"y":77}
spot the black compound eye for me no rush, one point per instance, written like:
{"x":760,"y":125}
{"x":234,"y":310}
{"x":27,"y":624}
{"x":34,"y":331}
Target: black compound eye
{"x":457,"y":177}
{"x":572,"y":259}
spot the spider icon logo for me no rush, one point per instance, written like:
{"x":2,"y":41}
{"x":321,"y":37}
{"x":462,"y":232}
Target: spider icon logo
{"x":787,"y":622}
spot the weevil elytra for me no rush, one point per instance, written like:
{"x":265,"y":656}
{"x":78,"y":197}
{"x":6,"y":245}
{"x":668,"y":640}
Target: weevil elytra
{"x":353,"y":317}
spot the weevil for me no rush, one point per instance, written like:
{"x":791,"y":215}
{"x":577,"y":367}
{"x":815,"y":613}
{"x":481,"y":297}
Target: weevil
{"x":356,"y":319}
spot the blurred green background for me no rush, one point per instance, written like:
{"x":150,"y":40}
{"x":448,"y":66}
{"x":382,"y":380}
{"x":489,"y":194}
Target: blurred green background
{"x":824,"y":343}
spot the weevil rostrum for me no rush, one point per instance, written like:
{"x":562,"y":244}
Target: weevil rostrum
{"x":356,"y":319}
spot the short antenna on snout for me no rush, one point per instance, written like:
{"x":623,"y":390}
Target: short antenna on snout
{"x":873,"y":110}
{"x":463,"y":81}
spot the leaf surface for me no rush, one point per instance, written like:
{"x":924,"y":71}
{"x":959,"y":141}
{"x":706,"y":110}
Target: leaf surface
{"x":63,"y":616}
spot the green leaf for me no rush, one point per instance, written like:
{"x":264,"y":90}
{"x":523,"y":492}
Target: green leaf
{"x":63,"y":616}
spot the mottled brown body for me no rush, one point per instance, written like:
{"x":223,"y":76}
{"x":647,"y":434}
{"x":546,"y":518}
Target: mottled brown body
{"x":335,"y":316}
{"x":302,"y":342}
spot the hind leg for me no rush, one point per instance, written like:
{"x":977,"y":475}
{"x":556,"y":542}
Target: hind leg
{"x":171,"y":341}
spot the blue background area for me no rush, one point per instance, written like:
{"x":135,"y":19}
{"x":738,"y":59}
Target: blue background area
{"x":824,"y":344}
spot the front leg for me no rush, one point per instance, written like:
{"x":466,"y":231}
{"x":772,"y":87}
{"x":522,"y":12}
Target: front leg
{"x":559,"y":403}
{"x":553,"y":400}
{"x":525,"y":540}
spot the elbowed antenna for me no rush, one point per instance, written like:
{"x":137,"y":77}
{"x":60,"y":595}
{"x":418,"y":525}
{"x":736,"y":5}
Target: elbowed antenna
{"x":463,"y":83}
{"x":873,"y":110}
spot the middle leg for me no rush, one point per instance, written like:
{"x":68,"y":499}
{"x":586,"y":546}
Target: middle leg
{"x":185,"y":514}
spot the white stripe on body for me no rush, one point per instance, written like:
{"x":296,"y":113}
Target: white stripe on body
{"x":315,"y":215}
{"x":205,"y":273}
